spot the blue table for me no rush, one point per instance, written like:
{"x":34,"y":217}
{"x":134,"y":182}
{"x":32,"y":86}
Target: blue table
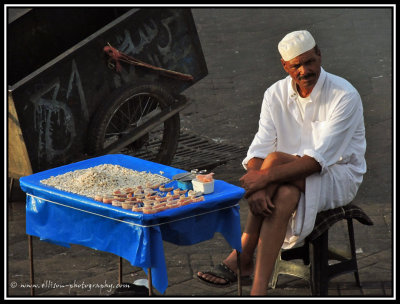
{"x":65,"y":218}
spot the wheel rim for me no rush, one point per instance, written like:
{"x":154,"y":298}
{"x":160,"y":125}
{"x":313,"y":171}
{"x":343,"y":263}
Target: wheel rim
{"x":133,"y":112}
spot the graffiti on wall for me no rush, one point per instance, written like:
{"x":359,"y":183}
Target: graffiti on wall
{"x":53,"y":119}
{"x":162,"y":55}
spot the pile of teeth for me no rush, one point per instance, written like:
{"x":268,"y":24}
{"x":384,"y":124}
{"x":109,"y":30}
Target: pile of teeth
{"x":139,"y":191}
{"x":102,"y":179}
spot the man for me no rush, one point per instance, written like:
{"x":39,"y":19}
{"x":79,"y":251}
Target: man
{"x":307,"y":156}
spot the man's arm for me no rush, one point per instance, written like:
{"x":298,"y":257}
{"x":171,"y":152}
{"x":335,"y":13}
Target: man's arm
{"x":288,"y":172}
{"x":292,"y":171}
{"x":254,"y":164}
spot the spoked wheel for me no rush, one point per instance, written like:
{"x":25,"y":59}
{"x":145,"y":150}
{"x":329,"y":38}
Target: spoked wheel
{"x":129,"y":109}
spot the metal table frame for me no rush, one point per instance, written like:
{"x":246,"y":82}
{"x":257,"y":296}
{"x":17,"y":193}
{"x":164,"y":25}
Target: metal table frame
{"x":149,"y":279}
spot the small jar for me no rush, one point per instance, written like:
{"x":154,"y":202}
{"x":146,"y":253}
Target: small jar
{"x":108,"y":199}
{"x":148,"y":210}
{"x":198,"y":199}
{"x":137,"y":208}
{"x":98,"y":198}
{"x":127,"y":205}
{"x":116,"y":203}
{"x":173,"y":204}
{"x":119,"y":198}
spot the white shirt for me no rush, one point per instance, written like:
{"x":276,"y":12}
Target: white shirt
{"x":302,"y":102}
{"x":331,"y":130}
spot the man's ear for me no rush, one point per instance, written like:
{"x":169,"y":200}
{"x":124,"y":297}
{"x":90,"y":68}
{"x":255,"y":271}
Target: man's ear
{"x":317,"y":50}
{"x":283,"y":62}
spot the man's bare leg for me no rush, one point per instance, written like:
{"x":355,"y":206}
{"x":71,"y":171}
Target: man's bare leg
{"x":251,"y":234}
{"x":249,"y":240}
{"x":272,"y":234}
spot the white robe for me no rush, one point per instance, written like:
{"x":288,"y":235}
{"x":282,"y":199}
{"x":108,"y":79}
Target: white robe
{"x":331,"y":130}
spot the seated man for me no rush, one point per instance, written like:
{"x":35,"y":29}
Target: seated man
{"x":307,"y":156}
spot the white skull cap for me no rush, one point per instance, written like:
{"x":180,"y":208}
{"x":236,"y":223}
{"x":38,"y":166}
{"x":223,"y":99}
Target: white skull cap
{"x":295,"y":44}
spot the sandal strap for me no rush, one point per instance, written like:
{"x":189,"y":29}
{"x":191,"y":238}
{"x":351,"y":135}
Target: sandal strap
{"x":224,"y":272}
{"x":232,"y":275}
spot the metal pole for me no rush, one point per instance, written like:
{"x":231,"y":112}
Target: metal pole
{"x":10,"y":189}
{"x":30,"y":249}
{"x":120,"y":271}
{"x":9,"y":201}
{"x":239,"y":273}
{"x":149,"y":281}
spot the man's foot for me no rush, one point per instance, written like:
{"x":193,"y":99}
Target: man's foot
{"x":225,"y":274}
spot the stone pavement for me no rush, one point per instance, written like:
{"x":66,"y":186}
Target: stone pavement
{"x":240,"y":46}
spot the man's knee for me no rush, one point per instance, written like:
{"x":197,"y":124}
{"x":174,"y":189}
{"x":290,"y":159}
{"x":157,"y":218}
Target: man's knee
{"x":286,"y":198}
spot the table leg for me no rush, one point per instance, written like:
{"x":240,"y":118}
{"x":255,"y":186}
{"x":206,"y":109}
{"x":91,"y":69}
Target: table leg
{"x":31,"y":264}
{"x":10,"y":192}
{"x":120,"y":271}
{"x":239,"y":273}
{"x":149,"y":281}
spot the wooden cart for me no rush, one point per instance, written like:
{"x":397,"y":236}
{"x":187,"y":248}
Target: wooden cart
{"x":92,"y":81}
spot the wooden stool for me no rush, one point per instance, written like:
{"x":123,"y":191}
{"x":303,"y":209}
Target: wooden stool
{"x":316,"y":253}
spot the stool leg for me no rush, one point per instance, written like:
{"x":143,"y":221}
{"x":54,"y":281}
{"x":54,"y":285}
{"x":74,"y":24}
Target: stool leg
{"x":314,"y":273}
{"x":276,"y":270}
{"x":324,"y":265}
{"x":353,"y":249}
{"x":319,"y":265}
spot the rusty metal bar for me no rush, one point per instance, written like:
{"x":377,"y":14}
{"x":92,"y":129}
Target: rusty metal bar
{"x":120,"y":271}
{"x":10,"y":189}
{"x":149,"y":281}
{"x":30,"y":249}
{"x":239,"y":273}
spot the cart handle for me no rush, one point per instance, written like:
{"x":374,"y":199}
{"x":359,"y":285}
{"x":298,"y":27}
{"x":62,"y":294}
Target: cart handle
{"x":118,"y":56}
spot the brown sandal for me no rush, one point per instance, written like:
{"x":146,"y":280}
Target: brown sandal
{"x":224,"y":272}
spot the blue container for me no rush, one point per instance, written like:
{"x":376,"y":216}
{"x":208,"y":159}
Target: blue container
{"x":185,"y":185}
{"x":184,"y":180}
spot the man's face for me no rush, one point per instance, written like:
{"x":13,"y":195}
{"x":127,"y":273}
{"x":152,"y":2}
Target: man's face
{"x":304,"y":69}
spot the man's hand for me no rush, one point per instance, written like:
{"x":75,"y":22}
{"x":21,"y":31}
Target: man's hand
{"x":252,"y":181}
{"x":260,"y":203}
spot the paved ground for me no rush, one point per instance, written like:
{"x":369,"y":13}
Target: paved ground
{"x":240,"y":46}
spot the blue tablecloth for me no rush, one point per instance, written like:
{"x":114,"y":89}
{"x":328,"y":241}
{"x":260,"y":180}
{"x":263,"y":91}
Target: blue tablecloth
{"x":65,"y":218}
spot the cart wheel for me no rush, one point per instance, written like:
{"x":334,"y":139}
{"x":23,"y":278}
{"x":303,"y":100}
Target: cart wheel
{"x":132,"y":107}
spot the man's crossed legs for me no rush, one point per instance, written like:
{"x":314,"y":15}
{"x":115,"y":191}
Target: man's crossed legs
{"x":270,"y":211}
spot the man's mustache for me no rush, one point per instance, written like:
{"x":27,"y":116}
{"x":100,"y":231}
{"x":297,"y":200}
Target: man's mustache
{"x":306,"y":76}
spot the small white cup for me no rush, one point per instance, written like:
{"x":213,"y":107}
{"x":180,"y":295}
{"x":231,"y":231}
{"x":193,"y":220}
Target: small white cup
{"x":206,"y":188}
